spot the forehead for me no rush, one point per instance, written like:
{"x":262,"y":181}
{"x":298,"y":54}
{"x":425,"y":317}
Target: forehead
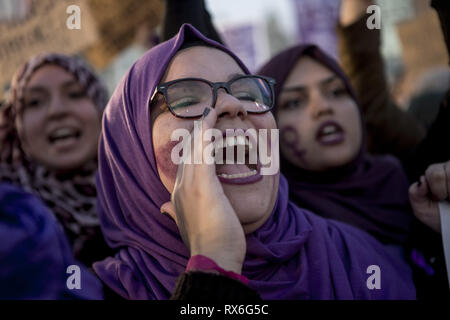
{"x":202,"y":62}
{"x":50,"y":75}
{"x":308,"y":71}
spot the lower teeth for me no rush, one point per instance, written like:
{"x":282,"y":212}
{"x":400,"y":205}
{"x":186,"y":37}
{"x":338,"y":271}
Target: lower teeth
{"x":238,"y":175}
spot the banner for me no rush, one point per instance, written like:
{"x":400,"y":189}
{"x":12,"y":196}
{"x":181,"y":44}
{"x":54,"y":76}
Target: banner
{"x":43,"y":29}
{"x":317,"y":21}
{"x":241,"y":40}
{"x":117,"y":24}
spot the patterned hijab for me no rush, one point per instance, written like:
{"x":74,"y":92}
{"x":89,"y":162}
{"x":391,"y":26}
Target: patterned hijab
{"x":71,"y":196}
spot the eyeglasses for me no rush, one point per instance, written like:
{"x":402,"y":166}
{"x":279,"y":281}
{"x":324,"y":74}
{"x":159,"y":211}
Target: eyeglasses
{"x":188,"y":97}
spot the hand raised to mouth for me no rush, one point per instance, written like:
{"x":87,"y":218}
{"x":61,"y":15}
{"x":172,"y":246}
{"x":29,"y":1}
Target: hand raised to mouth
{"x":207,"y":222}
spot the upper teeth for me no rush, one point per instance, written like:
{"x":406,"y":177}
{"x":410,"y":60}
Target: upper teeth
{"x":62,"y":132}
{"x":236,"y":141}
{"x":329,"y":129}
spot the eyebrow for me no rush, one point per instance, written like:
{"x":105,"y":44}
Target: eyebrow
{"x":323,"y":82}
{"x":40,"y":88}
{"x":36,"y":89}
{"x":235,"y":75}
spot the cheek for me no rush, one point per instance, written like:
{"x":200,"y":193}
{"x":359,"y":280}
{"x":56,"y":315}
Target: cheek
{"x":289,"y":135}
{"x":263,"y":121}
{"x":89,"y":115}
{"x":30,"y":127}
{"x":292,"y":144}
{"x":352,"y":116}
{"x":163,"y":127}
{"x":293,"y":132}
{"x":164,"y":160}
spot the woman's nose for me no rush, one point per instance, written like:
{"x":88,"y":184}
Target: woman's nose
{"x":57,"y":107}
{"x":320,"y":106}
{"x":228,"y":105}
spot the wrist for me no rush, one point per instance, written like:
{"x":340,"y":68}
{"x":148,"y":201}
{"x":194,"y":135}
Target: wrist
{"x":229,"y":257}
{"x":206,"y":264}
{"x":222,"y":259}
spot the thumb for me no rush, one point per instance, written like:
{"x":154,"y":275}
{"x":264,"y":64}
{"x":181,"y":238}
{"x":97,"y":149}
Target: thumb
{"x":418,"y":191}
{"x":209,"y":118}
{"x":169,"y":209}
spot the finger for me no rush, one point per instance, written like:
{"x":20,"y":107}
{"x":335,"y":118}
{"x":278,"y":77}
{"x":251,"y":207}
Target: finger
{"x":208,"y":122}
{"x":193,"y":148}
{"x":183,"y":171}
{"x":418,"y":191}
{"x":447,"y":178}
{"x":425,"y":209}
{"x":435,"y":177}
{"x":209,"y":118}
{"x":169,"y":209}
{"x":178,"y":179}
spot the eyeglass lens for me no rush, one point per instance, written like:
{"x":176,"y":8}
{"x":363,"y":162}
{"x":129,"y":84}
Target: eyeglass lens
{"x":189,"y":98}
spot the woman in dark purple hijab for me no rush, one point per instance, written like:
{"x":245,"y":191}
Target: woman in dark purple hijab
{"x":285,"y":252}
{"x":323,"y":152}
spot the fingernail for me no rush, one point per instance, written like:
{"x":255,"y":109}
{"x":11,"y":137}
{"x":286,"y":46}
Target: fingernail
{"x":206,"y":112}
{"x":166,"y":214}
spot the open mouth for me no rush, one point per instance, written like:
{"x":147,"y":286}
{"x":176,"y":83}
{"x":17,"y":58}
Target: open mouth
{"x":64,"y":135}
{"x":330,"y":133}
{"x":236,"y":160}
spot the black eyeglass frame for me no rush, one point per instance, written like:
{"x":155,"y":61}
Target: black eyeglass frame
{"x":215,"y":86}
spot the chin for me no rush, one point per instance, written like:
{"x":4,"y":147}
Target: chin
{"x":335,"y":163}
{"x":66,"y":164}
{"x":253,"y":203}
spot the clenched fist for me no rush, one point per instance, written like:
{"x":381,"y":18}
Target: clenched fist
{"x":425,"y":195}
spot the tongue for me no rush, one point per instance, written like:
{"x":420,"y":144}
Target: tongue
{"x":231,"y":168}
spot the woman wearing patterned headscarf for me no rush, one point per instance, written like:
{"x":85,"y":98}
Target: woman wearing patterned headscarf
{"x":50,"y":144}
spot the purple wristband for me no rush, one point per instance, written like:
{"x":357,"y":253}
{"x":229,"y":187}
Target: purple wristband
{"x":199,"y":262}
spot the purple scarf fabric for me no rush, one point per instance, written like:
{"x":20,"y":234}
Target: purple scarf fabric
{"x":294,"y":255}
{"x":370,"y":192}
{"x":35,"y":253}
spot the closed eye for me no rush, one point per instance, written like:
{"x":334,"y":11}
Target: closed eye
{"x":245,"y":96}
{"x":184,"y":102}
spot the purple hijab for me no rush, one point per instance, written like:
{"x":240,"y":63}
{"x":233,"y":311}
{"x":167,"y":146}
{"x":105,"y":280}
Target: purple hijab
{"x":370,"y":192}
{"x":294,"y":255}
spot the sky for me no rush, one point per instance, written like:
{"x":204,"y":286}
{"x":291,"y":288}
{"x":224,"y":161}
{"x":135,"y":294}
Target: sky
{"x":233,"y":11}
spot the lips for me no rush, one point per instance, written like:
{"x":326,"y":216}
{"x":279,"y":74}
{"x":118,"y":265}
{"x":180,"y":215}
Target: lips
{"x":330,"y":133}
{"x":63,"y":135}
{"x":243,"y":169}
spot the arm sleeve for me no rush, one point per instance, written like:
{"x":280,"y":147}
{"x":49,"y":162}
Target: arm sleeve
{"x":188,"y":11}
{"x":389,"y":129}
{"x":209,"y":287}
